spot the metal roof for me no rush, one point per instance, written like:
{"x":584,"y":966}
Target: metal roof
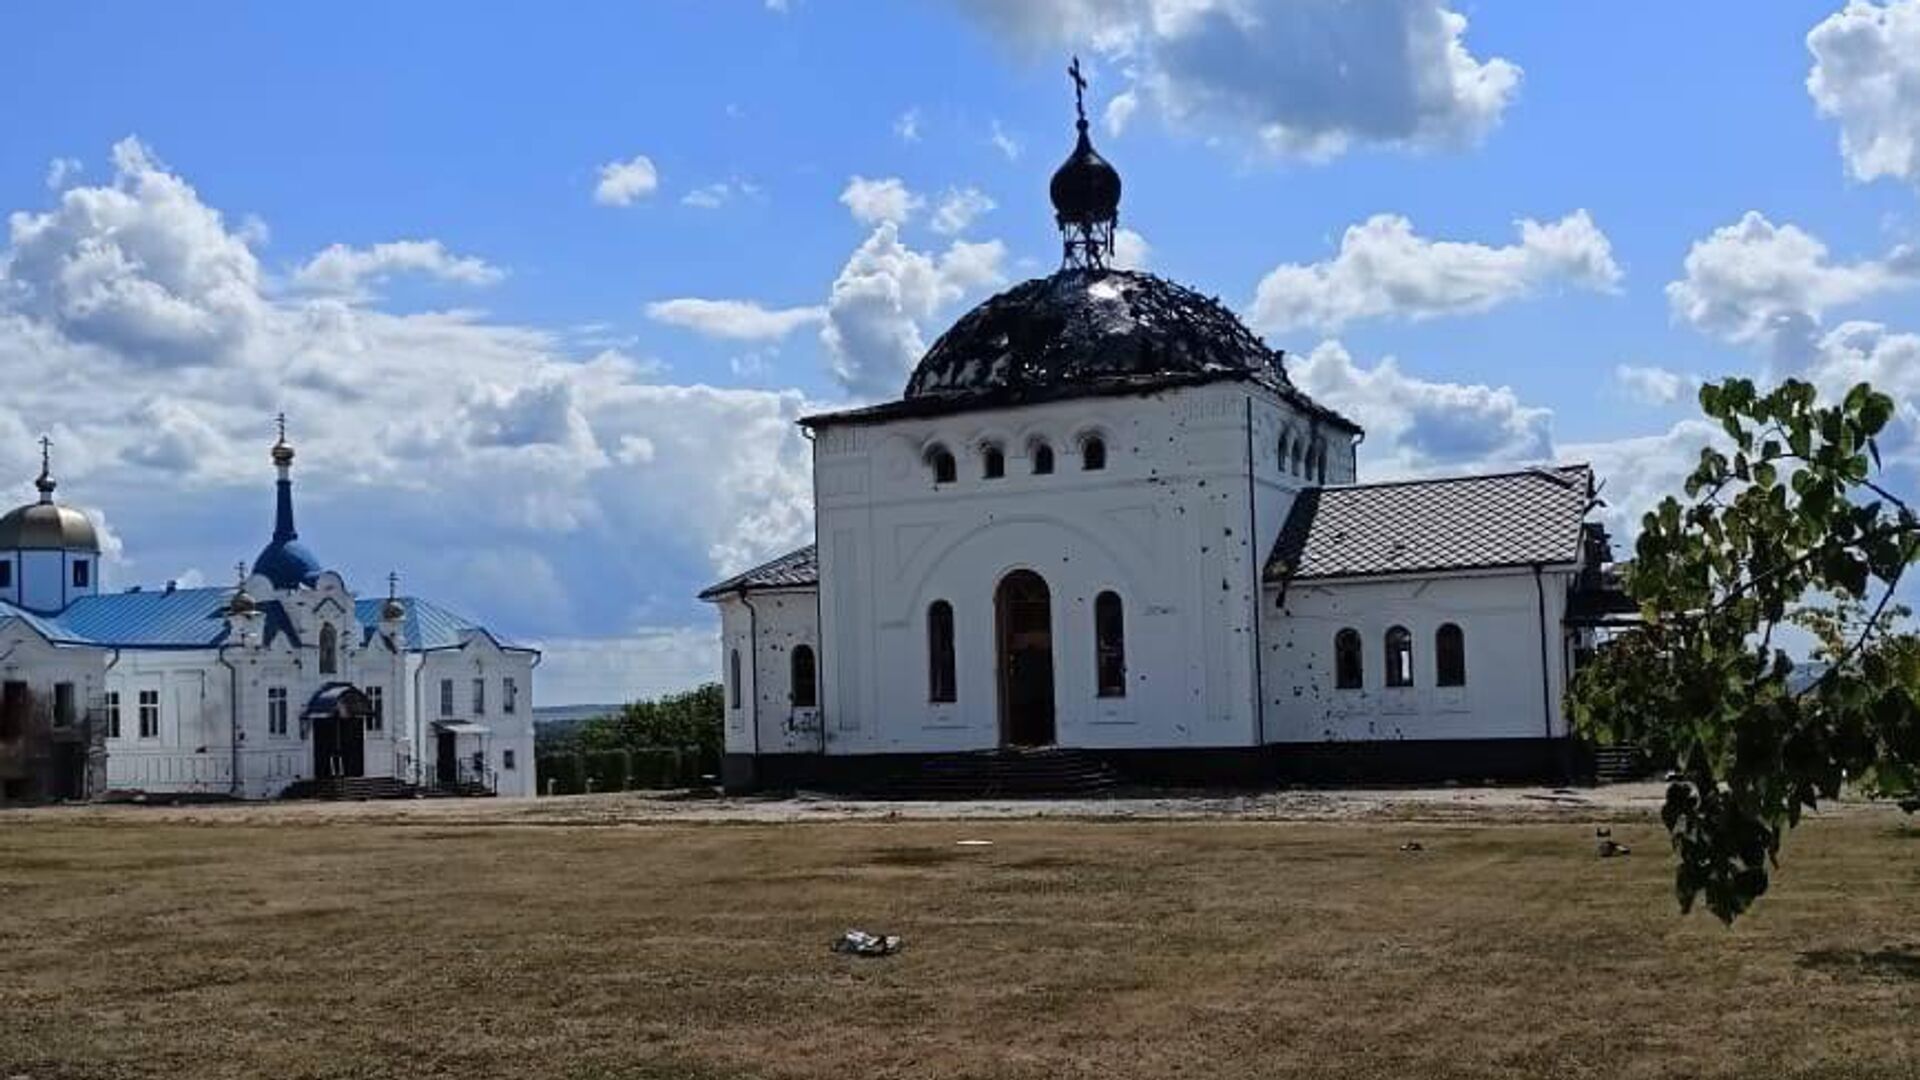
{"x":197,"y":619}
{"x":427,"y":625}
{"x":795,"y":570}
{"x":176,"y":618}
{"x":1533,"y":516}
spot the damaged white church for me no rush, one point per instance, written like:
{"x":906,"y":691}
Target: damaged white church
{"x":1102,"y":519}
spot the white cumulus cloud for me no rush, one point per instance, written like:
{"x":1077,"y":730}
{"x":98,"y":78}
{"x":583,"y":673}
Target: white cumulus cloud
{"x":1866,"y":75}
{"x":882,"y":298}
{"x":1384,"y":268}
{"x":957,"y":209}
{"x":876,"y":201}
{"x":1305,"y":78}
{"x":1654,"y":385}
{"x":350,"y":270}
{"x":622,"y":182}
{"x":734,"y":320}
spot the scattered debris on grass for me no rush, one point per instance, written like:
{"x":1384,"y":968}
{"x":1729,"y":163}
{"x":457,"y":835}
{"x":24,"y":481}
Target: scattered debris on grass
{"x":861,"y":943}
{"x":1605,"y":846}
{"x":1412,"y":845}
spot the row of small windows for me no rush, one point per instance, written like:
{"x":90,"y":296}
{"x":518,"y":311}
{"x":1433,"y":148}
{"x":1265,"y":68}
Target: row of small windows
{"x":993,"y":459}
{"x":509,"y":696}
{"x":1449,"y":653}
{"x":1303,"y":457}
{"x":82,"y":573}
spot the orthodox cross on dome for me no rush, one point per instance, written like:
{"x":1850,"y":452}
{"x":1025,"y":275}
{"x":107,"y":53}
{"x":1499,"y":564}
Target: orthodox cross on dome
{"x":45,"y":480}
{"x":1085,"y":192}
{"x":393,"y":584}
{"x":240,"y":571}
{"x":280,"y":422}
{"x":1079,"y":90}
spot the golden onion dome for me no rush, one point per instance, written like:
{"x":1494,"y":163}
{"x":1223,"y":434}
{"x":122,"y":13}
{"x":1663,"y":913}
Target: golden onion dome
{"x":48,"y":526}
{"x":393,"y":609}
{"x":241,"y":603}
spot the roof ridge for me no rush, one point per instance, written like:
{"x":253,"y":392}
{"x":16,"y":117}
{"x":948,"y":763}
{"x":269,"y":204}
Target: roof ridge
{"x":1418,"y":481}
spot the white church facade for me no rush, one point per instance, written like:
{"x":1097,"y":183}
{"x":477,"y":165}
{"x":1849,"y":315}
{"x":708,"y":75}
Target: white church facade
{"x":288,"y":682}
{"x":1102,"y":518}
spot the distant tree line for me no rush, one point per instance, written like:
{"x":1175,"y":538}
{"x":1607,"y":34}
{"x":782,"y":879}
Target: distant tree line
{"x":670,"y":741}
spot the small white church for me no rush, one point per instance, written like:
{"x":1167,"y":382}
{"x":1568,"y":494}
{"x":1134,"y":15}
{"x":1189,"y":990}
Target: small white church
{"x":286,"y":683}
{"x":1102,"y":518}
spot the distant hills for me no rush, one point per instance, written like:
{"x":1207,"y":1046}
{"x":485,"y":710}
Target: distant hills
{"x":558,"y":723}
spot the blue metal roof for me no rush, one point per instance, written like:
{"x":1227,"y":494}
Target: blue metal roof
{"x":180,"y":619}
{"x":46,"y":627}
{"x":427,"y":625}
{"x":197,"y":619}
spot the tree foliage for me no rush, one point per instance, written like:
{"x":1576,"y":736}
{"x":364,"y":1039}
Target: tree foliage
{"x":1795,"y":510}
{"x":686,"y":721}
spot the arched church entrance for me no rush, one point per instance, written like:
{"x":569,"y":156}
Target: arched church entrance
{"x":337,"y":720}
{"x":1023,"y":618}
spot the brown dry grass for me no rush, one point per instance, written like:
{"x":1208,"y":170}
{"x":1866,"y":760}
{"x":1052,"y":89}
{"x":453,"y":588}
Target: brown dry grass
{"x":1221,"y":949}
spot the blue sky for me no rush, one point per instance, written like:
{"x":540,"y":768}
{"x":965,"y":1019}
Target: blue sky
{"x":550,"y":457}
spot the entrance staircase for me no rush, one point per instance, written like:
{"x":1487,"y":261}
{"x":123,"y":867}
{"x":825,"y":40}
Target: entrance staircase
{"x":1012,"y":772}
{"x":360,"y":788}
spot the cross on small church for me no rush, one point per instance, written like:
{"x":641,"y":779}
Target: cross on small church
{"x":280,"y":421}
{"x":1079,"y":88}
{"x":393,"y":584}
{"x":46,"y":453}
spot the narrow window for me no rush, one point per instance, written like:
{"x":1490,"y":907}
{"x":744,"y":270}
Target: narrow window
{"x":14,"y":708}
{"x":1093,"y":453}
{"x":1042,"y":459}
{"x":1110,"y":644}
{"x":733,"y":679}
{"x":1300,"y":458}
{"x":506,"y":760}
{"x":329,"y":650}
{"x":150,"y":713}
{"x":940,"y":680}
{"x":479,"y":697}
{"x":446,"y":697}
{"x":82,"y":573}
{"x":276,"y":711}
{"x":509,"y":695}
{"x":63,"y":704}
{"x":376,"y":708}
{"x":113,"y":714}
{"x":1286,"y":452}
{"x":805,"y":693}
{"x":6,"y":573}
{"x":940,"y":460}
{"x":993,"y":462}
{"x":1450,"y":655}
{"x":1399,"y":657}
{"x":1347,"y":673}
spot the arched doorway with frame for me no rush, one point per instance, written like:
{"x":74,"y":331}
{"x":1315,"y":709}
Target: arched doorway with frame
{"x":1023,"y":629}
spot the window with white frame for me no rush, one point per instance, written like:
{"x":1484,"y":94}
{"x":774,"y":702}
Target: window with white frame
{"x":276,"y":710}
{"x":446,"y":697}
{"x":506,"y":760}
{"x":376,"y":708}
{"x":509,"y":695}
{"x":479,"y":697}
{"x":113,"y":714}
{"x":149,"y":714}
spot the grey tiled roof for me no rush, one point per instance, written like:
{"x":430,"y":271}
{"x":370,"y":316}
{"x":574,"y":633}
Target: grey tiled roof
{"x":794,"y":570}
{"x":1455,"y":523}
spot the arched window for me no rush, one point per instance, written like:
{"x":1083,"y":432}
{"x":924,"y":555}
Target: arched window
{"x":329,"y":650}
{"x":1300,"y":458}
{"x":1399,"y":657}
{"x":940,"y":680}
{"x":1093,"y":453}
{"x":1347,"y":674}
{"x":805,"y":693}
{"x":940,"y":460}
{"x":1317,"y":463}
{"x":1450,"y":655}
{"x":1042,"y":456}
{"x":1286,"y":451}
{"x":1110,"y":645}
{"x":733,"y":679}
{"x":993,"y":461}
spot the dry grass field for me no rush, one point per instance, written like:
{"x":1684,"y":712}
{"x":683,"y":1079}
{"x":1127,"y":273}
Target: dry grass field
{"x":225,"y":947}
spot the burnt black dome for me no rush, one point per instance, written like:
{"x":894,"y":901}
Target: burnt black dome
{"x":1085,"y":188}
{"x":1091,"y":329}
